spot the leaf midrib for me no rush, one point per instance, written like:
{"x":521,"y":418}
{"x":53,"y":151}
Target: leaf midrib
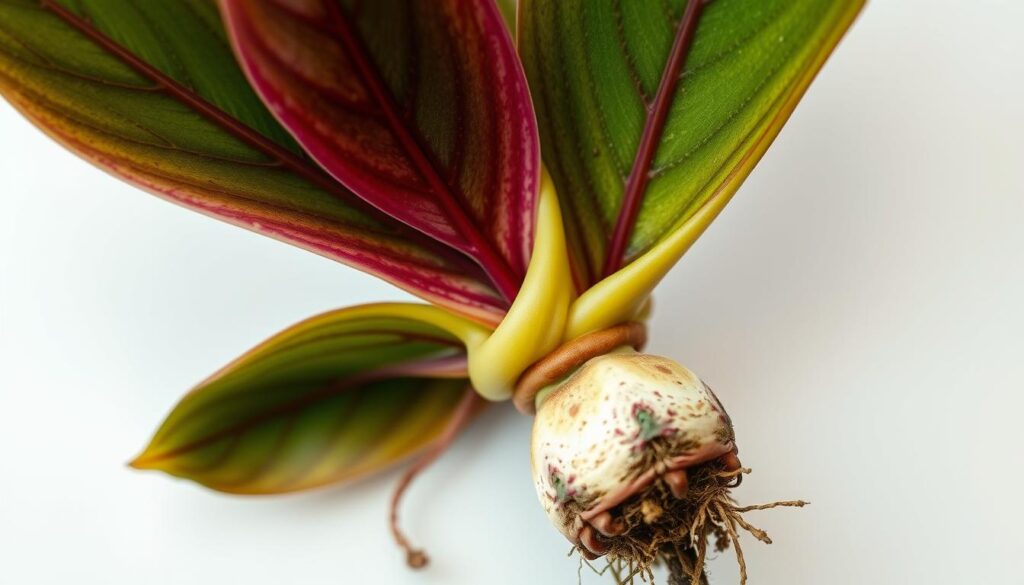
{"x":654,"y":126}
{"x":286,"y":408}
{"x":278,"y":155}
{"x":493,"y":263}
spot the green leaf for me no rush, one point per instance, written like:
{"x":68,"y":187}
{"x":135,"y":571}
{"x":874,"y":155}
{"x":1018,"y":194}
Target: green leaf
{"x":508,"y":12}
{"x":151,"y":92}
{"x":332,"y":398}
{"x":601,"y":75}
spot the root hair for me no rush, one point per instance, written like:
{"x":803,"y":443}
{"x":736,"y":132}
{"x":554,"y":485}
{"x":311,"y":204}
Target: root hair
{"x":679,"y":536}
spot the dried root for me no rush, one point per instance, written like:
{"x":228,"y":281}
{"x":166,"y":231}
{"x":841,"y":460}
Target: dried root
{"x":469,"y":405}
{"x":662,"y":527}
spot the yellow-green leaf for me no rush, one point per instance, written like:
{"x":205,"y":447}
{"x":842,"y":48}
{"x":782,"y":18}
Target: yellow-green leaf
{"x":648,"y":110}
{"x":331,"y":398}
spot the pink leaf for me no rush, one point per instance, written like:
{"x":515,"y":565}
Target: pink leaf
{"x":420,"y":108}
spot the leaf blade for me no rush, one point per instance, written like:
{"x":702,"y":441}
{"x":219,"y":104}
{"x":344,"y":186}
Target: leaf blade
{"x":746,"y":54}
{"x":623,"y":295}
{"x":231,"y":160}
{"x":330,"y":399}
{"x":422,"y":110}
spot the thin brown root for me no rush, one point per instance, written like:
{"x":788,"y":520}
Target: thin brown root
{"x":623,"y":571}
{"x":697,"y":576}
{"x":696,"y":572}
{"x":469,"y":405}
{"x":730,"y":527}
{"x":755,"y":531}
{"x":685,"y":566}
{"x":680,"y":534}
{"x":785,"y":504}
{"x":616,"y":571}
{"x":735,"y":475}
{"x":609,"y":567}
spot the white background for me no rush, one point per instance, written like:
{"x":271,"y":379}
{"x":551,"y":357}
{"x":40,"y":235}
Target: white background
{"x":859,"y":308}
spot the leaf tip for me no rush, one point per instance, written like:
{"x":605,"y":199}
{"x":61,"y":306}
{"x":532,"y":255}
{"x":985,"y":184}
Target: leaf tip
{"x":144,"y":461}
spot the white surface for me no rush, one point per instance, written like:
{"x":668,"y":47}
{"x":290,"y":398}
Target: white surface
{"x":859,"y":308}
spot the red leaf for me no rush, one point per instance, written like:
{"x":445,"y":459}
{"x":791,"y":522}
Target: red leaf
{"x":155,"y":96}
{"x":421,"y":109}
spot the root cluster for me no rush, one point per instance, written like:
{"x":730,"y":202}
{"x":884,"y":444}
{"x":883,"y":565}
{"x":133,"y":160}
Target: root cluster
{"x":678,"y":531}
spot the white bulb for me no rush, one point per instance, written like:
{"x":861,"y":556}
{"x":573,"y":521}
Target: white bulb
{"x":619,"y":423}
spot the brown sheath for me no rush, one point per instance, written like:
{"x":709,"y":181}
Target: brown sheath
{"x":570,"y":356}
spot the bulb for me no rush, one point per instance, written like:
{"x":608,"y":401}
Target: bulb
{"x":617,"y":441}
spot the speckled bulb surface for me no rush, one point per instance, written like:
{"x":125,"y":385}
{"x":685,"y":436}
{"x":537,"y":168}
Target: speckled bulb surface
{"x":593,"y":438}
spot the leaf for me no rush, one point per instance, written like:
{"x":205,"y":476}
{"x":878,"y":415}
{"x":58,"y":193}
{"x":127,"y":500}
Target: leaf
{"x":421,"y":108}
{"x":331,"y":398}
{"x":151,"y":92}
{"x":602,"y":79}
{"x":508,"y":12}
{"x":535,"y":322}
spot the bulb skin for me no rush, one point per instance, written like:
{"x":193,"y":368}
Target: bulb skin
{"x":616,"y":425}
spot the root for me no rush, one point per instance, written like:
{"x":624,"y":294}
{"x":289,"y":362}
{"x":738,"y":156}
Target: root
{"x":469,"y":404}
{"x":684,"y":565}
{"x":680,"y":534}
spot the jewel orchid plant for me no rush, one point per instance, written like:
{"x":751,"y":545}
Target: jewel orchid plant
{"x":531,"y":172}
